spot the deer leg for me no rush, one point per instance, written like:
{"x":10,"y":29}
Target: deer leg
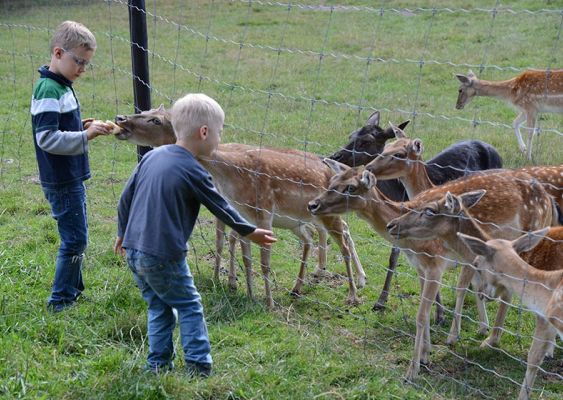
{"x":320,"y":270}
{"x":516,"y":125}
{"x":233,"y":237}
{"x":494,"y":338}
{"x":430,"y":286}
{"x":307,"y":240}
{"x":219,"y":243}
{"x":355,"y":259}
{"x":531,"y":122}
{"x":247,"y":261}
{"x":543,"y":334}
{"x":393,"y":257}
{"x":265,"y":265}
{"x":336,"y":229}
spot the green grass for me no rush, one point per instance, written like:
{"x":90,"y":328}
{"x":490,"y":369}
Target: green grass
{"x":312,"y":347}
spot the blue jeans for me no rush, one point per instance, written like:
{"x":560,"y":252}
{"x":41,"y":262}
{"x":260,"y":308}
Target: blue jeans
{"x":165,"y":285}
{"x":68,"y":207}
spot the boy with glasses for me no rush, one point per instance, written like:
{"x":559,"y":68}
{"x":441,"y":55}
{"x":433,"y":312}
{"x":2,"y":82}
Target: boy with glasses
{"x":61,"y":146}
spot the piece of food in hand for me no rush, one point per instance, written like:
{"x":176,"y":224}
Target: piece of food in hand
{"x":115,"y":129}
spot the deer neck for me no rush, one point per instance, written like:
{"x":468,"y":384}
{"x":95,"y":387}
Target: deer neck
{"x":417,"y":180}
{"x":468,"y":226}
{"x":378,"y":211}
{"x":497,"y":89}
{"x":535,"y":287}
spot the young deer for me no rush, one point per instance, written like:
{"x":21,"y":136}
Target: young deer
{"x":540,"y":291}
{"x":531,"y":92}
{"x":269,"y":187}
{"x":442,"y":219}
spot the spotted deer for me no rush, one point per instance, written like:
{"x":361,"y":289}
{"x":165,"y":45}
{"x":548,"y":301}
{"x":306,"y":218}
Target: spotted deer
{"x":403,"y":160}
{"x":540,"y":291}
{"x":532,"y":92}
{"x":268,"y":187}
{"x":353,"y":190}
{"x":443,"y":218}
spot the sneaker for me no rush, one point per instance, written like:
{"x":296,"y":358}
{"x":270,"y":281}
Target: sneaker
{"x":159,"y":368}
{"x":196,"y":369}
{"x":58,"y":307}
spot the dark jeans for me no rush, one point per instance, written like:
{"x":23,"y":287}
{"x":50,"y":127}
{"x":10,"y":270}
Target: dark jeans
{"x":68,"y":207}
{"x":167,"y":285}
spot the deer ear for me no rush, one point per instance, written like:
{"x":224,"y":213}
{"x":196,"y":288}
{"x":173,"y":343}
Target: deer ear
{"x":469,"y":199}
{"x":528,"y":241}
{"x":368,"y":179}
{"x":471,"y":74}
{"x":399,"y":133}
{"x":374,"y":119}
{"x":418,"y":147}
{"x":477,"y":246}
{"x":403,"y":125}
{"x":452,"y":203}
{"x":161,"y":107}
{"x":463,"y":79}
{"x":335,"y":166}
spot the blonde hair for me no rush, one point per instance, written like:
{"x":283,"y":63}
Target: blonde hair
{"x":71,"y":34}
{"x":194,"y":110}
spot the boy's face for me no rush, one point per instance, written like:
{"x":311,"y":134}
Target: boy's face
{"x":70,"y":63}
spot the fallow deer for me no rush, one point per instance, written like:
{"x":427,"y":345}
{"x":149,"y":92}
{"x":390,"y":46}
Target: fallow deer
{"x":367,"y":143}
{"x":354,"y":190}
{"x":531,"y":92}
{"x":540,"y":291}
{"x":443,"y":218}
{"x":269,"y":187}
{"x":402,"y":159}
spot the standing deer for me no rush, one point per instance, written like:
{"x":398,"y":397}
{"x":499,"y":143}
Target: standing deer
{"x":531,"y":92}
{"x":365,"y":145}
{"x":540,"y":291}
{"x":442,"y":219}
{"x":268,"y":187}
{"x":353,"y":189}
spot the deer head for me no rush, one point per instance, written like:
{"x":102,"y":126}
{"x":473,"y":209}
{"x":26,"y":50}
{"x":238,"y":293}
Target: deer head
{"x":149,"y":128}
{"x":436,"y":218}
{"x":345,"y":191}
{"x":467,"y":90}
{"x":365,"y":143}
{"x":398,"y":157}
{"x":496,"y":259}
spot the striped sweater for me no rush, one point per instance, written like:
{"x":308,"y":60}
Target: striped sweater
{"x":61,"y":144}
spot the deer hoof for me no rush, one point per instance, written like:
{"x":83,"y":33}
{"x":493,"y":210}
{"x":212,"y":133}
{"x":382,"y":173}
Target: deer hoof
{"x":353,"y":301}
{"x":378,"y":307}
{"x":489,"y":342}
{"x":361,"y":282}
{"x":412,"y":372}
{"x":483,"y":330}
{"x":321,"y":273}
{"x":452,"y":339}
{"x":295,"y":293}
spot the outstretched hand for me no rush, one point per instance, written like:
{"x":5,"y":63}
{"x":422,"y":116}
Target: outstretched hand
{"x":262,"y":237}
{"x":96,"y":128}
{"x":117,"y":249}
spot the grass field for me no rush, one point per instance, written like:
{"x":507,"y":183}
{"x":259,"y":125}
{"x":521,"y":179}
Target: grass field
{"x":299,"y":77}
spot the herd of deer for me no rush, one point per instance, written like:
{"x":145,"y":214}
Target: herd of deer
{"x":499,"y":224}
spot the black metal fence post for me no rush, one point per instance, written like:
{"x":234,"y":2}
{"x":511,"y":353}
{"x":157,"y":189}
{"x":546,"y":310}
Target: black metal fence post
{"x":139,"y":61}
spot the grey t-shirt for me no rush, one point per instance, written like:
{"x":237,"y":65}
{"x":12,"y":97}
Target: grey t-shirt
{"x":159,"y":205}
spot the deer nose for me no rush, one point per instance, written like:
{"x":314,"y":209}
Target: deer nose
{"x":392,"y":228}
{"x":313,"y":206}
{"x":120,"y":118}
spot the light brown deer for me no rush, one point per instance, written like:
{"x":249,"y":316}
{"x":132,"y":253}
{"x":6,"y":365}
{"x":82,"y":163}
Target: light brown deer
{"x":532,"y":92}
{"x":540,"y":291}
{"x":353,"y":189}
{"x":403,"y":160}
{"x":268,"y":187}
{"x":442,"y":219}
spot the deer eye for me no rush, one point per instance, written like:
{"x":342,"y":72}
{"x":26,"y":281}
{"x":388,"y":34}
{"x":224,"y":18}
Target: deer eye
{"x":350,"y":189}
{"x":460,"y":90}
{"x":155,"y":121}
{"x":428,"y":212}
{"x":400,"y":156}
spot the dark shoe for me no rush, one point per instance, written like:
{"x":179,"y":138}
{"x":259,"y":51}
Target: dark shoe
{"x":195,"y":369}
{"x":159,"y":368}
{"x":58,"y":307}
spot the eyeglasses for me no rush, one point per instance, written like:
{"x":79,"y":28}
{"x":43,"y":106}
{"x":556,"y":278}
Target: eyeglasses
{"x":80,"y":62}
